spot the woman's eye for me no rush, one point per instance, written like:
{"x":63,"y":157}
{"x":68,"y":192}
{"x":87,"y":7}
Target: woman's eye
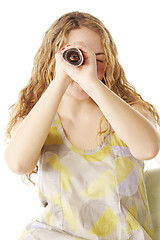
{"x":99,"y":61}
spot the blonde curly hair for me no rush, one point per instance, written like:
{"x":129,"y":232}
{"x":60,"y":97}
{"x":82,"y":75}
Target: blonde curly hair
{"x":43,"y":71}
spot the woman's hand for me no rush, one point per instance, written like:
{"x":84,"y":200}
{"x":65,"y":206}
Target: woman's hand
{"x":87,"y":71}
{"x":60,"y":72}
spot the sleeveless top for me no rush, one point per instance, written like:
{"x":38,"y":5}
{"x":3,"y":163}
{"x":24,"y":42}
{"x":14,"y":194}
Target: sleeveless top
{"x":97,"y":194}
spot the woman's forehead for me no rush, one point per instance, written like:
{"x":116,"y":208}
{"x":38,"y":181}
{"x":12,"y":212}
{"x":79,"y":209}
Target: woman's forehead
{"x":90,"y":37}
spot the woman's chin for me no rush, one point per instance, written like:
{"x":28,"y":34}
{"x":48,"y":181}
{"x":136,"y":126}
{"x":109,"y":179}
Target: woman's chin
{"x":77,"y":92}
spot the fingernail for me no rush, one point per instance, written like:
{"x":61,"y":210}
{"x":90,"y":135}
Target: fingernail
{"x":62,"y":49}
{"x":68,"y":45}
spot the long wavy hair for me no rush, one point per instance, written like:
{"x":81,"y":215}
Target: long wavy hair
{"x":43,"y":71}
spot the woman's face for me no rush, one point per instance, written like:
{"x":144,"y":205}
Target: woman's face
{"x":93,"y":41}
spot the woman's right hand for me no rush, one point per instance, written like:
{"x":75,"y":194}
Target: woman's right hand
{"x":39,"y":121}
{"x":60,"y":73}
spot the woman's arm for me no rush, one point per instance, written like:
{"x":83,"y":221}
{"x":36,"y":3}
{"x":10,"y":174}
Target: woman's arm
{"x":29,"y":135}
{"x":131,"y":124}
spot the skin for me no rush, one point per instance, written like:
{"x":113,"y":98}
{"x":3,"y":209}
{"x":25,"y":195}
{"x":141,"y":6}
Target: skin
{"x":76,"y":103}
{"x":134,"y":126}
{"x":85,"y":36}
{"x":81,"y":99}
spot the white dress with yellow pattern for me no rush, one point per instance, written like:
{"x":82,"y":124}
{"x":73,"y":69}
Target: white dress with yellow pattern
{"x":98,"y":194}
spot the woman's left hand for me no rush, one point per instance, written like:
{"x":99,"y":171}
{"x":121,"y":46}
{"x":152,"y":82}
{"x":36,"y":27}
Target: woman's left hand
{"x":87,"y":71}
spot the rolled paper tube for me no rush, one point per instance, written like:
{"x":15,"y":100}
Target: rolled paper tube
{"x":74,"y":56}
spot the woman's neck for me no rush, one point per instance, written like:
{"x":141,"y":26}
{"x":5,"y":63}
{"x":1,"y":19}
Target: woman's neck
{"x":74,"y":108}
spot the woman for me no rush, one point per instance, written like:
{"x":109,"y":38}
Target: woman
{"x":89,"y":132}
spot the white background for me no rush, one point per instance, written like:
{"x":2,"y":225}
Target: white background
{"x":134,"y":26}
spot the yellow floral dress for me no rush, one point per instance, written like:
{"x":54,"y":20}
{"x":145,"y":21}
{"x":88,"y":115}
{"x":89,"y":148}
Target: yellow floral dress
{"x":91,"y":195}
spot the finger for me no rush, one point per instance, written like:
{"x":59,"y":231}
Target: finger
{"x":86,"y":51}
{"x":65,"y":48}
{"x":81,"y":45}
